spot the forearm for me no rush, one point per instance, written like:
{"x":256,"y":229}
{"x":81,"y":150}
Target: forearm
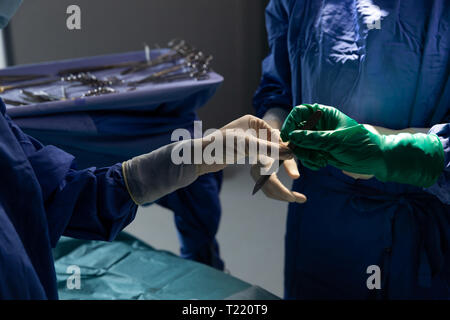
{"x":338,"y":140}
{"x":153,"y":175}
{"x":90,"y":204}
{"x":387,"y":131}
{"x":275,"y":117}
{"x":440,"y":188}
{"x":419,"y":134}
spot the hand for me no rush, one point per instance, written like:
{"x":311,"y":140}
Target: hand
{"x":415,"y":159}
{"x":151,"y":176}
{"x":273,"y":188}
{"x":243,"y":133}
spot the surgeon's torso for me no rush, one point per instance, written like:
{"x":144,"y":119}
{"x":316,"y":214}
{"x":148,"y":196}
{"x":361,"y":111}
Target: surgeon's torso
{"x":397,"y":77}
{"x":382,"y":62}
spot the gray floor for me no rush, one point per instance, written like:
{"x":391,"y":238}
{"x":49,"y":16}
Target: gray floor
{"x":251,"y":234}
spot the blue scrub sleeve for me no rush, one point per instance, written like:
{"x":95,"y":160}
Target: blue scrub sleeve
{"x":441,"y":188}
{"x":275,"y":87}
{"x":89,"y":204}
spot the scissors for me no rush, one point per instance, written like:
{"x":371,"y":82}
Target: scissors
{"x":309,"y":125}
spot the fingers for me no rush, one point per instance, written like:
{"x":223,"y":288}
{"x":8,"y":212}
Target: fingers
{"x":266,"y":148}
{"x":315,"y":140}
{"x":303,"y":112}
{"x":313,"y":159}
{"x":274,"y":189}
{"x":294,"y":120}
{"x":251,"y":137}
{"x":258,"y":128}
{"x":264,"y":130}
{"x":291,"y":168}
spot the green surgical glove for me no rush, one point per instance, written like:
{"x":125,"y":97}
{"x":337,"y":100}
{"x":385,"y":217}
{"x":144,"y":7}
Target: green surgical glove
{"x":338,"y":140}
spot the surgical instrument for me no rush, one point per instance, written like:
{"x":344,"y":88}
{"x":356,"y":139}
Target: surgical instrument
{"x":196,"y":64}
{"x":39,"y":96}
{"x":14,"y":102}
{"x":27,"y":84}
{"x":99,"y":91}
{"x":179,"y":51}
{"x":87,"y":78}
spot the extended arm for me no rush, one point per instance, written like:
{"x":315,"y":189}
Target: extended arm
{"x":411,"y":158}
{"x":91,"y":204}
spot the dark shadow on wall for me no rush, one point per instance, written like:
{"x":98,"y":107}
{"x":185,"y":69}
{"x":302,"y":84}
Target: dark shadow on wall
{"x":232,"y":30}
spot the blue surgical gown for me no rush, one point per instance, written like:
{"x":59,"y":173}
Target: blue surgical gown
{"x":385,"y":63}
{"x":43,"y":196}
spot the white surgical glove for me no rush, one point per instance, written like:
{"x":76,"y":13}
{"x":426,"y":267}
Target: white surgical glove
{"x":151,"y":176}
{"x":274,"y":188}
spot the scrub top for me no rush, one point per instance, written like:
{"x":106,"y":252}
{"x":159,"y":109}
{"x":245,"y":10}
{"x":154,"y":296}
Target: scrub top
{"x":42,"y":197}
{"x":384,"y":63}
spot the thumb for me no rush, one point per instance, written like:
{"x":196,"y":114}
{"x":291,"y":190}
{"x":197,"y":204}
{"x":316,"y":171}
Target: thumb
{"x":271,"y":149}
{"x":313,"y":159}
{"x":291,"y":168}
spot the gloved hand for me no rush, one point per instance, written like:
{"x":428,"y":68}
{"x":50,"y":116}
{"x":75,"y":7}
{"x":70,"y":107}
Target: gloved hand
{"x":151,"y":176}
{"x":274,"y":188}
{"x":338,"y":140}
